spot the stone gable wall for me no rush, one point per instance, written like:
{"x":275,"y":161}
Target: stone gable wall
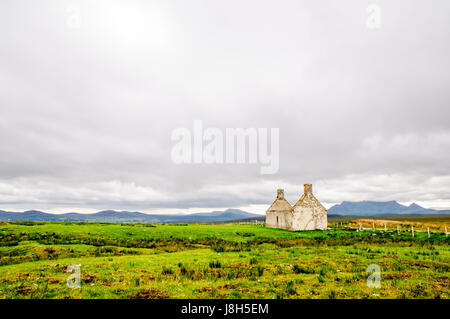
{"x":309,"y":214}
{"x":309,"y":218}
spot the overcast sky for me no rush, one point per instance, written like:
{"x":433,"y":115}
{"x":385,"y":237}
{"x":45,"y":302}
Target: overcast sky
{"x":88,"y":102}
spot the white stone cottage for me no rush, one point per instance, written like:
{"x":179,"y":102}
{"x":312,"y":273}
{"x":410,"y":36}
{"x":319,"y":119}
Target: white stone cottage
{"x":307,"y":214}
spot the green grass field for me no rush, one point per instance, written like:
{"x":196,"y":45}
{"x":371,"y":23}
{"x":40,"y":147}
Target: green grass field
{"x":217,"y":261}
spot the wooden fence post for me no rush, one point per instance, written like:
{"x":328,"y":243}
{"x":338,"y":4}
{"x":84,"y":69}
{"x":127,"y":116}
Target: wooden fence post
{"x":360,"y":226}
{"x":385,"y":229}
{"x":428,"y":230}
{"x":373,"y":227}
{"x":446,"y":234}
{"x":412,"y":231}
{"x":398,"y":230}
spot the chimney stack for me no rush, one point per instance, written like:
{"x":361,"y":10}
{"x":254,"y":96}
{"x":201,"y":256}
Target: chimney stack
{"x":280,"y":194}
{"x":308,"y":189}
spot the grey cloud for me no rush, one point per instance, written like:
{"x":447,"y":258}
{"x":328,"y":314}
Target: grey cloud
{"x":86,"y":114}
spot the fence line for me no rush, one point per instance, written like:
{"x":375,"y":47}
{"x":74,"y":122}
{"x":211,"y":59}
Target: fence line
{"x":385,"y":229}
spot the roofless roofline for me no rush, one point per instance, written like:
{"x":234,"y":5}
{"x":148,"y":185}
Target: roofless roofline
{"x":280,"y":203}
{"x":281,"y":200}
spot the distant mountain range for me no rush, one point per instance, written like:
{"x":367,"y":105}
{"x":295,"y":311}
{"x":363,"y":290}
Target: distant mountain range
{"x":111,"y":216}
{"x":371,"y":208}
{"x":364,"y":208}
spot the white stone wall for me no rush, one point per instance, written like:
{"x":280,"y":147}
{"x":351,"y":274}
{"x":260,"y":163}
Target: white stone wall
{"x":309,"y":218}
{"x":307,"y":214}
{"x":279,"y":220}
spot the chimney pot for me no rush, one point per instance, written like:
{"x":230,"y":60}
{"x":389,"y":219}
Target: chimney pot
{"x":280,"y":193}
{"x":308,"y":188}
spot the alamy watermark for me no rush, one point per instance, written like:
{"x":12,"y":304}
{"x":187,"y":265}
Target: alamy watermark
{"x":374,"y":279}
{"x":229,"y":146}
{"x":73,"y":16}
{"x":373,"y":20}
{"x":74,"y":280}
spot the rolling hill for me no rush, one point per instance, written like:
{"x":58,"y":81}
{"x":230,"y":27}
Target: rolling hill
{"x":371,"y":208}
{"x":345,"y":209}
{"x":111,"y":216}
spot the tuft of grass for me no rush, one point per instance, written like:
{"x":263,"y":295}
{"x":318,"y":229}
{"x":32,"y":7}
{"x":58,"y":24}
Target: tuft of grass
{"x":290,"y":290}
{"x":215,"y":264}
{"x":166,"y":271}
{"x":301,"y":270}
{"x":260,"y":271}
{"x":253,"y":261}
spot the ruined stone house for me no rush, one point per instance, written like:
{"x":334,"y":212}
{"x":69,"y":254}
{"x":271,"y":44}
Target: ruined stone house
{"x":307,"y":213}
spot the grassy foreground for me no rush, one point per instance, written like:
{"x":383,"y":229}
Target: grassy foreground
{"x":217,"y":261}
